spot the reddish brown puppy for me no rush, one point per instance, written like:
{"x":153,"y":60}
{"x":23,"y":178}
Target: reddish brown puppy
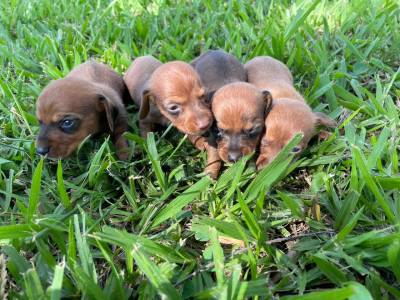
{"x":239,"y":110}
{"x":137,"y":80}
{"x":88,"y":101}
{"x":289,"y":114}
{"x":216,"y":68}
{"x":176,"y":89}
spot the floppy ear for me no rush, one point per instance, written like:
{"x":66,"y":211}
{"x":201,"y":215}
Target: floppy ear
{"x":110,"y":109}
{"x":117,"y":122}
{"x":324,"y":120}
{"x":267,"y":97}
{"x":145,"y":104}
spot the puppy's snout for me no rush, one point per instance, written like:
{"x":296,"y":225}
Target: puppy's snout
{"x":42,"y":150}
{"x":234,"y":156}
{"x":203,"y":124}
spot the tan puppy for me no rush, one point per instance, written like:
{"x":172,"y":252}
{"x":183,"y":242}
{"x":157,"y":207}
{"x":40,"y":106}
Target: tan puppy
{"x":137,"y":80}
{"x":216,"y":68}
{"x":289,"y":114}
{"x":176,"y":89}
{"x":239,"y":109}
{"x":88,"y":101}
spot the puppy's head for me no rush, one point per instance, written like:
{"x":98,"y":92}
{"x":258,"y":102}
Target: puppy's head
{"x":176,"y":89}
{"x":68,"y":111}
{"x":287,"y":118}
{"x":239,"y":110}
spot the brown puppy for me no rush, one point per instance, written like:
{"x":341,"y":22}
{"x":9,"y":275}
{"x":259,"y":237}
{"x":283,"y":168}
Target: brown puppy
{"x":176,"y":89}
{"x":137,"y":80}
{"x":88,"y":101}
{"x":289,"y":114}
{"x":216,"y":68}
{"x":239,"y":110}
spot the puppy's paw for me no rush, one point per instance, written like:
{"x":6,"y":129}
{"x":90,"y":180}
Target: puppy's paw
{"x":213,"y":170}
{"x":261,"y":162}
{"x":323,"y":135}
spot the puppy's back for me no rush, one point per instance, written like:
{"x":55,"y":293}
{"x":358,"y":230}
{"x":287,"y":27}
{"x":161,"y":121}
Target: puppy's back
{"x":267,"y":73}
{"x":217,"y":68}
{"x":102,"y":74}
{"x":138,"y":75}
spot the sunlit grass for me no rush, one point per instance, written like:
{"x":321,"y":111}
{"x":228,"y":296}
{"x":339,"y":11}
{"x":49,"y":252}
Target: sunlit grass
{"x":90,"y":227}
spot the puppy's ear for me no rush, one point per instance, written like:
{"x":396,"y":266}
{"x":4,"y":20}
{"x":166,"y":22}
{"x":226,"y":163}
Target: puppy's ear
{"x":144,"y":110}
{"x":117,"y":122}
{"x":110,"y":109}
{"x":267,"y":97}
{"x":324,"y":120}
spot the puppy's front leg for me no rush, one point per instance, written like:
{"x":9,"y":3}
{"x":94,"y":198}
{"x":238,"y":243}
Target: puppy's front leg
{"x":120,"y":142}
{"x":213,"y":160}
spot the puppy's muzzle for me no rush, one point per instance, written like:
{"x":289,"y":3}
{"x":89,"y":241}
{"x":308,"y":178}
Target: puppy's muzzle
{"x":42,"y":150}
{"x":234,"y":156}
{"x":234,"y":153}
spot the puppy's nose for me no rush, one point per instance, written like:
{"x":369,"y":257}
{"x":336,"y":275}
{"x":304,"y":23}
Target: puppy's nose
{"x":234,"y":156}
{"x":203,"y":124}
{"x":42,"y":150}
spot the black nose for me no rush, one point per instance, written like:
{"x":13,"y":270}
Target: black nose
{"x":234,"y":156}
{"x":42,"y":150}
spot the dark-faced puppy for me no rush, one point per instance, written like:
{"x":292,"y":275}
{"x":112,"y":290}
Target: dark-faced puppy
{"x":88,"y":101}
{"x":217,"y":68}
{"x":239,"y":110}
{"x":137,"y":80}
{"x":289,"y":114}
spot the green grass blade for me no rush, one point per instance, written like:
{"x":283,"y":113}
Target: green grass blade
{"x":181,"y":201}
{"x":54,"y":290}
{"x":154,"y":274}
{"x":35,"y":191}
{"x":386,"y":206}
{"x":61,"y":188}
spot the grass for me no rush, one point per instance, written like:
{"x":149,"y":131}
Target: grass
{"x":323,"y":227}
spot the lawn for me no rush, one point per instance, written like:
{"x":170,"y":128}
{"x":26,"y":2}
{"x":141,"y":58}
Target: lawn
{"x":325,"y":226}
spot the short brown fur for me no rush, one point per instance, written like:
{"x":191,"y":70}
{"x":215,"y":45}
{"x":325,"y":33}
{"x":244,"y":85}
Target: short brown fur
{"x":92,"y":96}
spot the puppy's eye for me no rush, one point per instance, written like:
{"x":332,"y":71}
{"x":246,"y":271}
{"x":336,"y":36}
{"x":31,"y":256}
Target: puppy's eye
{"x":68,"y":125}
{"x":174,"y":109}
{"x":296,"y":149}
{"x":254,"y":132}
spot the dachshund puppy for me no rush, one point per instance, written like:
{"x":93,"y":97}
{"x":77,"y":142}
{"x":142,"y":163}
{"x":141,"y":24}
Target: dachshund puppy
{"x":137,"y":80}
{"x":88,"y":101}
{"x":176,"y":89}
{"x":239,"y":109}
{"x":216,"y":68}
{"x":289,"y":114}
